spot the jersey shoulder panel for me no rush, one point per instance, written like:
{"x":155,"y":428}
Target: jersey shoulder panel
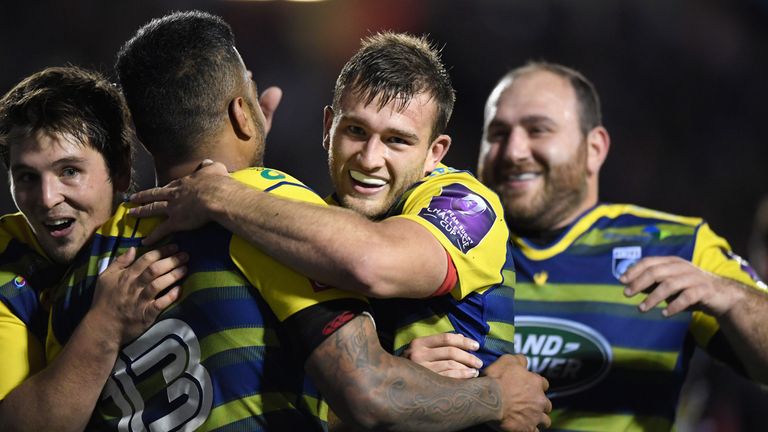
{"x":467,"y":219}
{"x":277,"y":183}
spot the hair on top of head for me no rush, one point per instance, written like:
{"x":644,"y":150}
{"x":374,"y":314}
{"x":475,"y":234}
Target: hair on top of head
{"x":397,"y":67}
{"x":72,"y":101}
{"x":590,"y":115}
{"x":179,"y":73}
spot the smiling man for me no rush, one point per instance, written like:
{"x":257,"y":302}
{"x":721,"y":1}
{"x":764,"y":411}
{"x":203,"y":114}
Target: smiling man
{"x":611,"y":298}
{"x":65,"y":138}
{"x":406,"y":226}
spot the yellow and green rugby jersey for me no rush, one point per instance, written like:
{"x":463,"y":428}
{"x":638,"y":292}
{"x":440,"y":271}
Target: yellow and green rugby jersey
{"x":24,"y":274}
{"x":611,"y":367}
{"x":467,"y":219}
{"x":229,"y":354}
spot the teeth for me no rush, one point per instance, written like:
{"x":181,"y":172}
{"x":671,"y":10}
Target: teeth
{"x":364,"y":179}
{"x":524,"y":176}
{"x":58,"y":222}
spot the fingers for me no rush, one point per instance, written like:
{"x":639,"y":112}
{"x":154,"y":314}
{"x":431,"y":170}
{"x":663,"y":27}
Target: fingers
{"x":446,"y":340}
{"x":165,"y":272}
{"x":152,"y":195}
{"x":209,"y":167}
{"x":446,"y":350}
{"x":166,"y":300}
{"x":269,"y":101}
{"x":151,"y":257}
{"x":462,"y":373}
{"x":122,"y":261}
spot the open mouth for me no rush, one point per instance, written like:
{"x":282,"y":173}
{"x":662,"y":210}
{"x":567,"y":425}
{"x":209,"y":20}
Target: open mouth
{"x":59,"y":227}
{"x":364,"y":181}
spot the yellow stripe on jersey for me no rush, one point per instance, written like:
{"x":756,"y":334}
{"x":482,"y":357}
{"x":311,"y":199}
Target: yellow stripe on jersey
{"x":576,"y":293}
{"x":22,"y":354}
{"x":426,"y":327}
{"x":15,"y":226}
{"x":599,"y":422}
{"x":236,"y":338}
{"x":610,"y":211}
{"x":259,"y":404}
{"x":645,"y":359}
{"x":479,"y":268}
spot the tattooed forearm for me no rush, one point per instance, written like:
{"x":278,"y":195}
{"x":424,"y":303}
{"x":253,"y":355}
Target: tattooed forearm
{"x":373,"y":389}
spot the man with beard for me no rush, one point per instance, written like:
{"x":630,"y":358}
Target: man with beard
{"x":236,"y":350}
{"x":404,"y":224}
{"x":610,"y":299}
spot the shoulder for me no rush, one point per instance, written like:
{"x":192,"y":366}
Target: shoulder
{"x":637,"y":214}
{"x":454,"y":184}
{"x":278,"y":183}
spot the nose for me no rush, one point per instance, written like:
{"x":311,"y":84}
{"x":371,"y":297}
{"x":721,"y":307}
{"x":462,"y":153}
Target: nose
{"x":518,"y":145}
{"x":51,"y":193}
{"x":371,"y":155}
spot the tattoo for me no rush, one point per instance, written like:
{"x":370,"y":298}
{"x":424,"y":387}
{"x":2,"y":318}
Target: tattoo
{"x":404,"y":395}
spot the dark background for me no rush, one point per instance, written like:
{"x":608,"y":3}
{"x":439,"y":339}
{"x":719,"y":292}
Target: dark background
{"x":683,"y":83}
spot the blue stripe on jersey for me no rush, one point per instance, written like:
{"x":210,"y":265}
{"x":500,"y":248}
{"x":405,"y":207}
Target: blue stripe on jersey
{"x":636,"y":332}
{"x":209,"y":316}
{"x":615,"y":393}
{"x":241,"y":376}
{"x":568,"y":266}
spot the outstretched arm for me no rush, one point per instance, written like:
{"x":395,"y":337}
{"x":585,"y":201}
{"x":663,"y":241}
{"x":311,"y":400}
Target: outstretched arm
{"x":371,"y":389}
{"x":391,"y":258}
{"x":739,"y":309}
{"x":62,"y":396}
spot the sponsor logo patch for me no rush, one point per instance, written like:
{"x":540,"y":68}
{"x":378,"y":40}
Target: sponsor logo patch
{"x":570,"y":355}
{"x":462,"y":215}
{"x":745,"y":267}
{"x":624,"y":258}
{"x":19,"y":281}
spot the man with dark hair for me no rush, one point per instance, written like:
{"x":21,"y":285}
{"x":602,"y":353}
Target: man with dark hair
{"x":581,"y":265}
{"x":64,"y":137}
{"x":234,"y":350}
{"x":406,"y":226}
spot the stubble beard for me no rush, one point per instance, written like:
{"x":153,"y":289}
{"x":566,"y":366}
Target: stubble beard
{"x":565,"y":189}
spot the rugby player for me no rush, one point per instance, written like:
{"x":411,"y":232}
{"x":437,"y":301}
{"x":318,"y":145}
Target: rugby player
{"x":610,"y":298}
{"x":64,"y":137}
{"x":233,"y":351}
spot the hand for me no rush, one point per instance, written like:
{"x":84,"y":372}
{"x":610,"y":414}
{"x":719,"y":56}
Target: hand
{"x":269,"y":100}
{"x":681,"y":284}
{"x":130,"y":295}
{"x":445,"y":354}
{"x":526,"y":407}
{"x":183,"y":200}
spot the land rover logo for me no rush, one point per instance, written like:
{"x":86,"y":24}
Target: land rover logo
{"x":570,"y":355}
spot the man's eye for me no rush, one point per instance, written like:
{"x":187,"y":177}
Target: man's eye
{"x":356,"y":130}
{"x":69,"y":172}
{"x":397,"y":140}
{"x":24,"y":178}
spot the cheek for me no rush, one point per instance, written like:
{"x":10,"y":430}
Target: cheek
{"x":21,"y":197}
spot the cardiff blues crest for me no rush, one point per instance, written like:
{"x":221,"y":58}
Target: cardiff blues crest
{"x":624,"y":258}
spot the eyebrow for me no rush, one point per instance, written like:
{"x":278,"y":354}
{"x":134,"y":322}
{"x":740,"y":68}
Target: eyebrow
{"x":58,"y":162}
{"x":535,"y":118}
{"x":390,"y":131}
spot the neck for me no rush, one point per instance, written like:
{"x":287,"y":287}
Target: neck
{"x":223,"y":150}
